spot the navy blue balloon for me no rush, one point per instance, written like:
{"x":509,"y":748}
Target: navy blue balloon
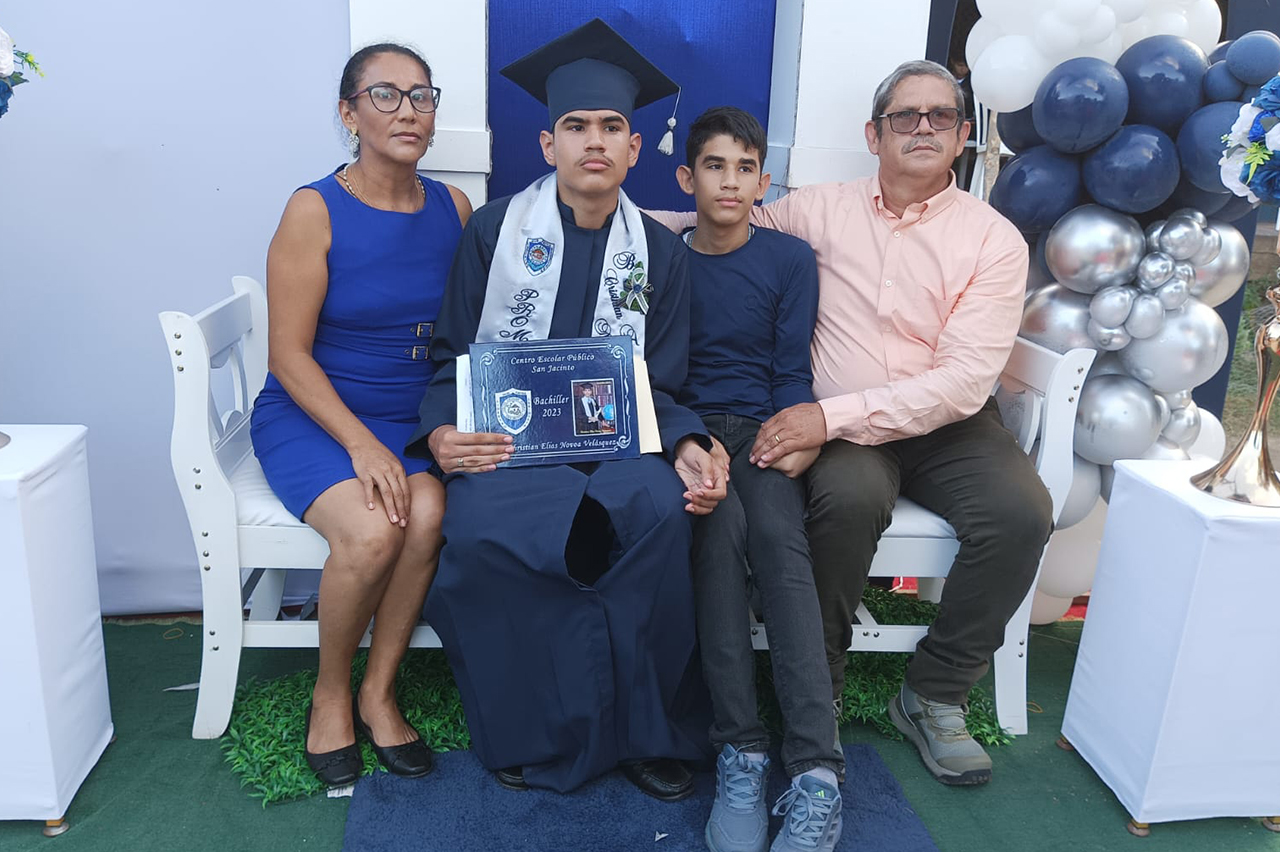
{"x":1036,"y":187}
{"x":1220,"y":52}
{"x":1237,"y":208}
{"x":1249,"y":93}
{"x":1200,"y":143}
{"x":1255,"y":57}
{"x":1016,"y":130}
{"x":1187,"y":194}
{"x":1165,"y":75}
{"x":1079,"y":104}
{"x":1220,"y":84}
{"x":1134,"y":171}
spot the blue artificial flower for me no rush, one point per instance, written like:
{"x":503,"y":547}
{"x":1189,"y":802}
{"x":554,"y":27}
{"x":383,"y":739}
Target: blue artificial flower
{"x":5,"y":91}
{"x":1269,"y":97}
{"x":1266,"y":181}
{"x":1256,"y":131}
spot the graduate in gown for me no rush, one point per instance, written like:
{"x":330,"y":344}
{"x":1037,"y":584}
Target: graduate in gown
{"x":563,"y":597}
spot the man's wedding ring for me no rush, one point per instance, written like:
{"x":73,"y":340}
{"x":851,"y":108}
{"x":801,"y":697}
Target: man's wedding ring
{"x":777,"y":440}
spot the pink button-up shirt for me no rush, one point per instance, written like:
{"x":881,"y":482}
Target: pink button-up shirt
{"x":916,"y":315}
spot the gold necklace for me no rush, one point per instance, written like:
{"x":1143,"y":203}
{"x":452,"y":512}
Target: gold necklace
{"x":351,"y":188}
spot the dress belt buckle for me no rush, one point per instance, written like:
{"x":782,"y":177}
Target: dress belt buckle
{"x":417,"y":353}
{"x":424,"y":329}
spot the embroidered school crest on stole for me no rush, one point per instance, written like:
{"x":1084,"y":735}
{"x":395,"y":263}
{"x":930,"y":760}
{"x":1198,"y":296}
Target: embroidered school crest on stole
{"x":537,"y":255}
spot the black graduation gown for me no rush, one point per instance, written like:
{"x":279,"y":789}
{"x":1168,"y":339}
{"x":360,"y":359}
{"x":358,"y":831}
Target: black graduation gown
{"x":562,"y":678}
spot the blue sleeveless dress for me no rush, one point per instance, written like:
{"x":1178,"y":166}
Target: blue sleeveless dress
{"x":387,"y":273}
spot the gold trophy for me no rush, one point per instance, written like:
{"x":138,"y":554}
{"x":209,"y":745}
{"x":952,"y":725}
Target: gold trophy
{"x":1246,"y":474}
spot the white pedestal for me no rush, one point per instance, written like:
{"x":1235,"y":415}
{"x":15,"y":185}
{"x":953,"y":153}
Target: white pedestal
{"x":1174,"y":701}
{"x":55,"y":715}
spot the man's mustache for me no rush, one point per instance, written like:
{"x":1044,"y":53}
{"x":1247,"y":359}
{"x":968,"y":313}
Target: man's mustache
{"x":931,"y":144}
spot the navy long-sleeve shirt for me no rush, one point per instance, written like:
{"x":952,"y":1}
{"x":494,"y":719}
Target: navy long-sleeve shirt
{"x":752,"y":313}
{"x":666,"y":350}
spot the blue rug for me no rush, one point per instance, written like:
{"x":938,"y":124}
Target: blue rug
{"x":461,"y":808}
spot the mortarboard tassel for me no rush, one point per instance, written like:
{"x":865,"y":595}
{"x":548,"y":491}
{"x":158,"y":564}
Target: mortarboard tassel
{"x":666,"y":145}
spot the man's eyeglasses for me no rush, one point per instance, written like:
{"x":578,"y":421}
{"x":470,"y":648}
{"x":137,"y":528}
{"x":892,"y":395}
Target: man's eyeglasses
{"x":942,"y":118}
{"x":423,"y":99}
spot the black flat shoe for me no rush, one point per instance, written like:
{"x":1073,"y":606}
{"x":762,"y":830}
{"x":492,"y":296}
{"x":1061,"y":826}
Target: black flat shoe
{"x":660,"y":777}
{"x":512,"y":778}
{"x":412,"y":759}
{"x":334,"y":768}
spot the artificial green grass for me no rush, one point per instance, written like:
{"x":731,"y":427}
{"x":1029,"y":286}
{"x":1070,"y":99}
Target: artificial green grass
{"x":264,"y":742}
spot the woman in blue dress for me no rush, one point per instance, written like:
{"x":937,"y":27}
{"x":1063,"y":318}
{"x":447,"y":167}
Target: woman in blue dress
{"x":355,"y":275}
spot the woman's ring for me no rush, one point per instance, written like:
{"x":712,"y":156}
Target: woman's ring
{"x":776,"y":440}
{"x":459,"y":462}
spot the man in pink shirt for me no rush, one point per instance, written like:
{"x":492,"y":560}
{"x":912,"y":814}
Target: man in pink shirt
{"x":920,"y":296}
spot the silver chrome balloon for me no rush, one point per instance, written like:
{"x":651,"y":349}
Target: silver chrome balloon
{"x":1209,"y":248}
{"x":1117,"y":418}
{"x":1106,"y":364}
{"x":1191,"y":213}
{"x":1107,"y":479}
{"x":1108,"y":339}
{"x":1219,"y":279}
{"x":1186,"y":352}
{"x":1152,"y":235}
{"x":1092,"y":247}
{"x":1183,"y":427}
{"x":1057,"y":319}
{"x":1110,"y":305}
{"x":1178,"y":399}
{"x":1154,"y":269}
{"x":1165,"y":412}
{"x":1145,"y":317}
{"x":1181,"y":237}
{"x":1173,"y":294}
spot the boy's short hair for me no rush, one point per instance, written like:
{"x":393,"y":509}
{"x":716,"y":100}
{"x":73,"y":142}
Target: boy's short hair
{"x":739,"y":124}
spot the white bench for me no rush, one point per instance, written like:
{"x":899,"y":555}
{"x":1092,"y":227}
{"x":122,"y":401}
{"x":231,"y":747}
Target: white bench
{"x":246,"y":540}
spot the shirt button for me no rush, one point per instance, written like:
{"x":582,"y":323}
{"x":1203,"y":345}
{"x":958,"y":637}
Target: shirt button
{"x":897,"y":233}
{"x":888,"y":283}
{"x":884,"y":328}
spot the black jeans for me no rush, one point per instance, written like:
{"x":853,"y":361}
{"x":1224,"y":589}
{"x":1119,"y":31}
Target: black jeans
{"x":761,"y":522}
{"x":972,"y":473}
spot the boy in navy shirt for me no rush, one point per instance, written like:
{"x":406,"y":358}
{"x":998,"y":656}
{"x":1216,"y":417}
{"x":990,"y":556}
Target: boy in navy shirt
{"x":752,"y":311}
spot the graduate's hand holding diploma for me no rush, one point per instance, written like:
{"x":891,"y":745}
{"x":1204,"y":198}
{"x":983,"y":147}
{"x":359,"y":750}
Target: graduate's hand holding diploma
{"x":468,"y":452}
{"x":705,"y":480}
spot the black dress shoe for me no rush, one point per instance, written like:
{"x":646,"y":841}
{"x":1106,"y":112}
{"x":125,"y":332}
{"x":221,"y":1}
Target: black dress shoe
{"x":334,"y":768}
{"x":660,"y":777}
{"x":411,"y":759}
{"x":512,"y":778}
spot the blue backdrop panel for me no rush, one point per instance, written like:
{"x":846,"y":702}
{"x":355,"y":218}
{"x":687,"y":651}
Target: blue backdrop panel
{"x":719,"y":51}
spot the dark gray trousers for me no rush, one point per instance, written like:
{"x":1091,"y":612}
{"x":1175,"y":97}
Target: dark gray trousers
{"x":761,"y":522}
{"x":972,"y":473}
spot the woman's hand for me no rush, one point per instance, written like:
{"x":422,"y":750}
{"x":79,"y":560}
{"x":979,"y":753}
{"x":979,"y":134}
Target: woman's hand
{"x":468,"y":452}
{"x":378,"y":468}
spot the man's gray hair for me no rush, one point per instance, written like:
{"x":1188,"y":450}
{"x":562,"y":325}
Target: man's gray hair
{"x":914,"y":68}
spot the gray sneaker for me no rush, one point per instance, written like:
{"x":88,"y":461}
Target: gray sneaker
{"x":739,"y":820}
{"x":940,"y":735}
{"x":811,"y":819}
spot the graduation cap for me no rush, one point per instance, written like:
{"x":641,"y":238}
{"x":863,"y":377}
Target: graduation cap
{"x":590,"y":68}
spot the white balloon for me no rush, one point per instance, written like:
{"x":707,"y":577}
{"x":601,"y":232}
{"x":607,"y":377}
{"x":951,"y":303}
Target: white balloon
{"x":1204,"y":24}
{"x":1163,"y":450}
{"x":1008,"y":72}
{"x":1127,"y":10}
{"x":1136,"y":31}
{"x":1086,"y":485}
{"x":1108,"y":50}
{"x":1101,"y":25}
{"x":1071,"y":557}
{"x":1076,"y":11}
{"x":985,"y":31}
{"x":1169,"y":22}
{"x":1055,"y":38}
{"x":1046,"y":609}
{"x":1211,"y":443}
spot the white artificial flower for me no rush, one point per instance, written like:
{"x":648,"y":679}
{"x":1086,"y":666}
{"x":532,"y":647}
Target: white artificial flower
{"x":1231,"y":164}
{"x":6,"y":54}
{"x":1239,"y":134}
